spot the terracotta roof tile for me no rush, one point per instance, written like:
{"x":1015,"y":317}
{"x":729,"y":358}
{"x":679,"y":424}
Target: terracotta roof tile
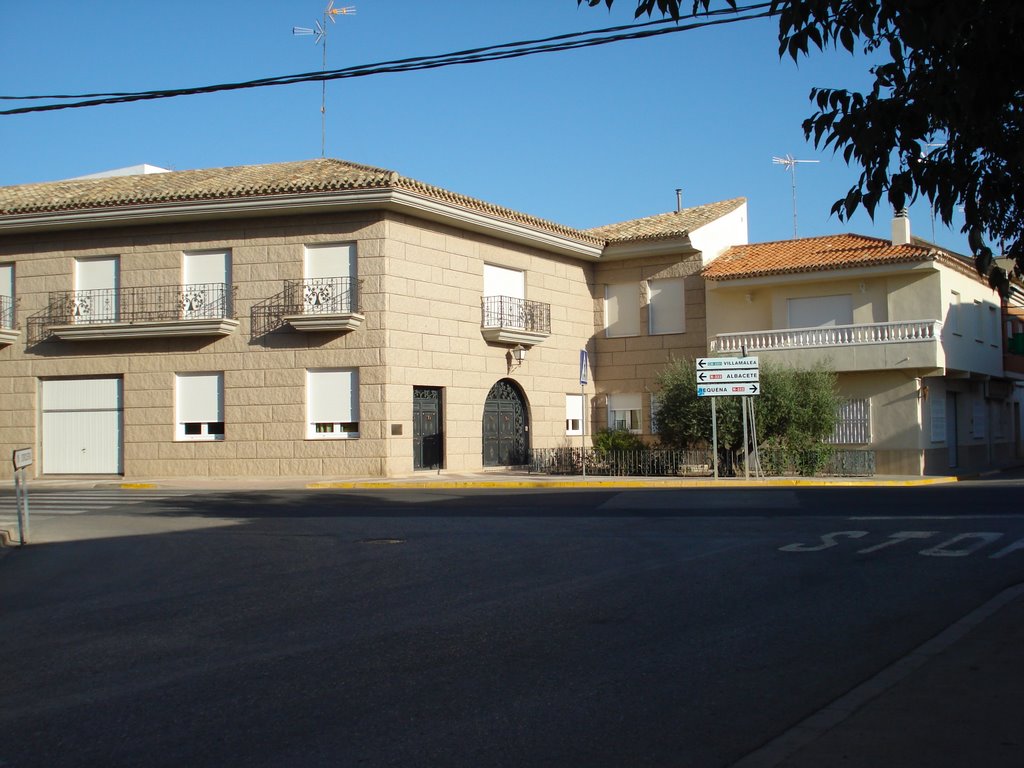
{"x":665,"y":225}
{"x":812,"y":254}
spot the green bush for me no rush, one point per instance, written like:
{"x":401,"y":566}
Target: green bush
{"x":607,"y":440}
{"x":795,"y":411}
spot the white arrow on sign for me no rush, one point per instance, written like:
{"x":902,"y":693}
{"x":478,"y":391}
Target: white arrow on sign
{"x":722,"y":390}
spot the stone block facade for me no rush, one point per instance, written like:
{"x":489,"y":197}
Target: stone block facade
{"x":414,"y":345}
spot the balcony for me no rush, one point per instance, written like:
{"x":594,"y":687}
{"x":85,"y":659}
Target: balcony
{"x":8,"y":333}
{"x":508,"y":320}
{"x":864,"y":347}
{"x":202,"y":309}
{"x":322,"y":304}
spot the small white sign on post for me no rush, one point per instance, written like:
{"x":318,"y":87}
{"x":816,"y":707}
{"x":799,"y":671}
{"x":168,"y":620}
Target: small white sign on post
{"x":22,"y":458}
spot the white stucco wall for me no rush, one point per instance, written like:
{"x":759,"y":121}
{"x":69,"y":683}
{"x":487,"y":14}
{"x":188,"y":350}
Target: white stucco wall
{"x":715,"y":238}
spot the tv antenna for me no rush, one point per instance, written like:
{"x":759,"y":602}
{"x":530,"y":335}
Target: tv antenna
{"x":319,"y":32}
{"x":790,"y":162}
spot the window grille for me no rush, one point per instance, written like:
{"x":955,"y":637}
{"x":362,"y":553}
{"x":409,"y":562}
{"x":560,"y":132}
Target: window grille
{"x":853,"y":423}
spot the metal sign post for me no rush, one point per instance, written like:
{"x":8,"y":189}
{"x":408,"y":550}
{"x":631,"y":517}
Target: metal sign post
{"x":746,"y":442}
{"x":22,"y":458}
{"x":714,"y":435}
{"x":585,"y":410}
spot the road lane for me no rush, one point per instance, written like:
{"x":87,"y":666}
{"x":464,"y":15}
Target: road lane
{"x":419,"y":628}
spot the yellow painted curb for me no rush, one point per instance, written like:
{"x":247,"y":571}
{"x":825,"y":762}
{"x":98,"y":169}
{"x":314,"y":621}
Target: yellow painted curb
{"x":138,"y":485}
{"x":668,"y":484}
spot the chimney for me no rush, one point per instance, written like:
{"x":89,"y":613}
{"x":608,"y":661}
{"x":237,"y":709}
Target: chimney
{"x":901,"y":228}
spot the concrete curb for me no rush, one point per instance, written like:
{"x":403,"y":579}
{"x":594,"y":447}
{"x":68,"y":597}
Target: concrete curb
{"x":472,"y":480}
{"x":651,"y":484}
{"x":7,"y":541}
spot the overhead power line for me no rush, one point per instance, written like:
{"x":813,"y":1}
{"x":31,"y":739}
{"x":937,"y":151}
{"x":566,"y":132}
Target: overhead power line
{"x":565,"y":42}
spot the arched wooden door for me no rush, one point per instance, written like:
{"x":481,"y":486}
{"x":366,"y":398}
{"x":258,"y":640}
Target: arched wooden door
{"x":506,"y":426}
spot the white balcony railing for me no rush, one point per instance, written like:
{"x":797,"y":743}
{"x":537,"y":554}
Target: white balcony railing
{"x":831,"y":336}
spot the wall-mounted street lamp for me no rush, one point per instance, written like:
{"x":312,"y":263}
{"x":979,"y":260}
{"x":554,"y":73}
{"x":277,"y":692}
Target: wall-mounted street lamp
{"x":515,"y":357}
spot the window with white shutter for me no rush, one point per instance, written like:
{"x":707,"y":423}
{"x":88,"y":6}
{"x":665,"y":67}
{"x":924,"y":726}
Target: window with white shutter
{"x":6,"y":295}
{"x":332,"y":403}
{"x":574,"y":414}
{"x":199,"y":406}
{"x":667,"y":310}
{"x":622,"y":310}
{"x":206,"y":281}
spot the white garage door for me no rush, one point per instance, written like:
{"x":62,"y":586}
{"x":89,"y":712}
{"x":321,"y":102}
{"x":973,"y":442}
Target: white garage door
{"x":82,"y":426}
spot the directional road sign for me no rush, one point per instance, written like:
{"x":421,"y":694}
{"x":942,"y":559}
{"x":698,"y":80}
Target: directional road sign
{"x":722,"y":363}
{"x":719,"y":376}
{"x":728,"y":375}
{"x":722,"y":390}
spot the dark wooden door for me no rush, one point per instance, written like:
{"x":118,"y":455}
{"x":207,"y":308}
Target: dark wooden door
{"x":505,"y":427}
{"x":427,"y":434}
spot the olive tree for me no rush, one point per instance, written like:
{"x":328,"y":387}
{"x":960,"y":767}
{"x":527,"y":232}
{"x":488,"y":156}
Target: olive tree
{"x":796,"y":408}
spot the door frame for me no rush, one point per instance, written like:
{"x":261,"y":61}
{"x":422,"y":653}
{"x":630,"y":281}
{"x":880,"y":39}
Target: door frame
{"x":506,"y":400}
{"x":427,"y":448}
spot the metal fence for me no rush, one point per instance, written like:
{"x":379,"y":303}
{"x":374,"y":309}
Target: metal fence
{"x":823,"y":461}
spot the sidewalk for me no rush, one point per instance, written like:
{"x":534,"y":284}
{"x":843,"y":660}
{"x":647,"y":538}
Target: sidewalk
{"x":956,"y":701}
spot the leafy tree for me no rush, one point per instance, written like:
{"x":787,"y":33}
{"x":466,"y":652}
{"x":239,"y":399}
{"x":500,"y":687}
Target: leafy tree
{"x":944,"y":118}
{"x":796,"y":408}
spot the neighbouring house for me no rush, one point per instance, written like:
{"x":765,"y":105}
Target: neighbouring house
{"x":324,"y":318}
{"x":923,"y":348}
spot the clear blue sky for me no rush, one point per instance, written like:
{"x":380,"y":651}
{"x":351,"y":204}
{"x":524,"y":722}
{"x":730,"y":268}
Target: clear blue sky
{"x":583,"y":138}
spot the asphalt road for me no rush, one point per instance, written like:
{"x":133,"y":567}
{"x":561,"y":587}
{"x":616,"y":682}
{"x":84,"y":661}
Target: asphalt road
{"x":475,"y":628}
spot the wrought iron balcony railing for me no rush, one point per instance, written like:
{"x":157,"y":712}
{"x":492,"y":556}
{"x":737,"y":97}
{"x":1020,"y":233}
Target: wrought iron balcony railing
{"x":316,"y":304}
{"x":135,"y":305}
{"x":513,"y":313}
{"x":6,"y":312}
{"x":321,"y":296}
{"x":169,"y":310}
{"x":832,"y":336}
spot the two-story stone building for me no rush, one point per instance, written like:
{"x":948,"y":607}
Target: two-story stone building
{"x":324,"y":318}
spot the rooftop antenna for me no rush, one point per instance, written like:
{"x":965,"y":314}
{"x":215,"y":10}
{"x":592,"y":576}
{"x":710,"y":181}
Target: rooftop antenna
{"x":790,"y":162}
{"x":319,"y":32}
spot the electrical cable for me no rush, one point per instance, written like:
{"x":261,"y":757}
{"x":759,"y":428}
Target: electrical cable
{"x":558,"y":43}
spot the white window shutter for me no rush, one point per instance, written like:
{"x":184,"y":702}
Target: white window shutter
{"x":334,"y":260}
{"x":332,"y":396}
{"x":200,"y":397}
